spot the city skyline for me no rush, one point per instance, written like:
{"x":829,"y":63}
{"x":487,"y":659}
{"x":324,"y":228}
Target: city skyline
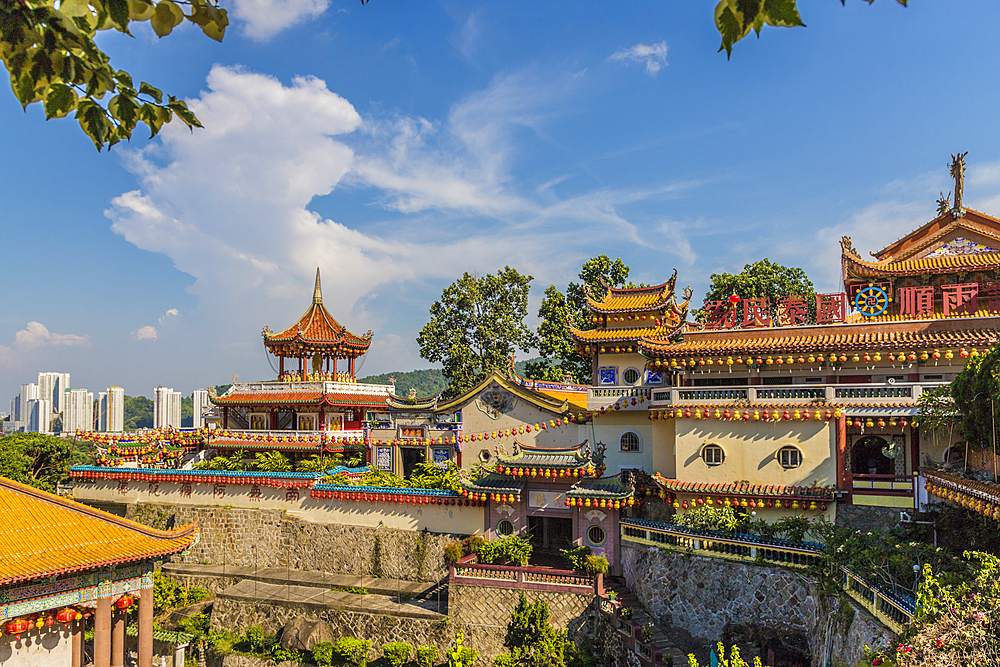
{"x":480,"y":144}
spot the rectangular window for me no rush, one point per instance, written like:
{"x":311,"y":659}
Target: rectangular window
{"x":608,"y":376}
{"x":818,"y":380}
{"x":932,"y":378}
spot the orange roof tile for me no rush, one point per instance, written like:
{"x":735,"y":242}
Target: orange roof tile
{"x":908,"y":334}
{"x":318,"y":328}
{"x":638,"y":299}
{"x":45,"y":535}
{"x":614,"y":335}
{"x":918,"y":266}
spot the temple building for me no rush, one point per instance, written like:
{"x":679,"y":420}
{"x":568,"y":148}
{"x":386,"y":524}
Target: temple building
{"x":66,"y":568}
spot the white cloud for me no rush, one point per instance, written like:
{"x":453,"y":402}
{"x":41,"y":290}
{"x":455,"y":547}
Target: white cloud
{"x":145,"y":333}
{"x":173,"y":312}
{"x":262,"y":19}
{"x":653,"y":56}
{"x":36,"y":335}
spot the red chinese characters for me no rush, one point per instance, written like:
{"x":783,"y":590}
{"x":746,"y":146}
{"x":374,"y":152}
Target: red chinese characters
{"x":792,"y":310}
{"x":916,"y":301}
{"x":720,"y":315}
{"x":960,"y":298}
{"x":831,"y":308}
{"x":756,"y":313}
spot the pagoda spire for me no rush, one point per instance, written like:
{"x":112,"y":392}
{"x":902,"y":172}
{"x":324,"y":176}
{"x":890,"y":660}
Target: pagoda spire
{"x":318,"y":292}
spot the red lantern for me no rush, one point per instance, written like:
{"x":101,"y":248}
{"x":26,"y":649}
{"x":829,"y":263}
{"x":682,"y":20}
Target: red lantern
{"x":124,"y":602}
{"x":17,"y":626}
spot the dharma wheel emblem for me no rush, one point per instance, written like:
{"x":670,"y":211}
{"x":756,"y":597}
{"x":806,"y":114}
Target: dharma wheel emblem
{"x":871,"y":301}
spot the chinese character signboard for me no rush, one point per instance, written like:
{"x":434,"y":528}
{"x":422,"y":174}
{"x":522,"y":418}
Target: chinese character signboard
{"x":831,"y":308}
{"x":720,"y":315}
{"x":383,"y":458}
{"x":756,"y":313}
{"x":546,"y":499}
{"x":916,"y":301}
{"x":792,"y":311}
{"x":961,"y":298}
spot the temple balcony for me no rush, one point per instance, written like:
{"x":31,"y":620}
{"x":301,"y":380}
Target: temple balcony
{"x":841,"y":394}
{"x":325,"y":386}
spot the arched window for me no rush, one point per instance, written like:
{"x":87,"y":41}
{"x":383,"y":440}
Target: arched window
{"x":505,"y":527}
{"x":596,"y":536}
{"x":631,"y":376}
{"x":713,"y":455}
{"x":630,"y":442}
{"x":789,"y":457}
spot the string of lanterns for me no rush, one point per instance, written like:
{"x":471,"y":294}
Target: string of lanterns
{"x":774,"y":415}
{"x":811,"y":358}
{"x":583,"y":471}
{"x":753,"y":503}
{"x":65,"y":616}
{"x":404,"y":496}
{"x":988,"y":508}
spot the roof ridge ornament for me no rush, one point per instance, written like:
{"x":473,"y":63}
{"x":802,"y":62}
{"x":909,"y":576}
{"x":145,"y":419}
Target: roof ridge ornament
{"x":318,"y":292}
{"x":957,"y":170}
{"x":943,"y":206}
{"x":847,"y":247}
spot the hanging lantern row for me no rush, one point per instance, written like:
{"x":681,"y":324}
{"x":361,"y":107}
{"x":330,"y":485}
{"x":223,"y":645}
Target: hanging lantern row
{"x":623,"y":404}
{"x":833,"y":358}
{"x":984,"y":507}
{"x":406,"y":499}
{"x":216,"y":477}
{"x":513,"y":471}
{"x":155,"y":436}
{"x":601,"y":502}
{"x":746,"y":415}
{"x":22,"y":624}
{"x":753,"y":503}
{"x":871,"y":422}
{"x":599,"y":319}
{"x":590,"y":349}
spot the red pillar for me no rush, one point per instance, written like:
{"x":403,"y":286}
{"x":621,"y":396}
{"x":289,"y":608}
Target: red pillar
{"x":352,"y":367}
{"x":146,"y":628}
{"x":281,"y":362}
{"x":914,"y":449}
{"x":102,"y":633}
{"x":225,"y":417}
{"x":274,"y":420}
{"x":322,"y":419}
{"x":118,"y":639}
{"x":844,"y":480}
{"x":76,"y":640}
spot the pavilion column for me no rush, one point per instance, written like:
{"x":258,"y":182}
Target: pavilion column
{"x":844,"y":480}
{"x":322,"y":419}
{"x":76,"y":643}
{"x":274,"y":420}
{"x":351,"y":364}
{"x":102,"y":631}
{"x":118,"y":638}
{"x":281,"y":362}
{"x":225,"y":416}
{"x":146,"y":628}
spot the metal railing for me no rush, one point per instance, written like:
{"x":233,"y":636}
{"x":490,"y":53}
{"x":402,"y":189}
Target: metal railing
{"x":769,"y":393}
{"x":713,"y":394}
{"x":469,"y":573}
{"x":892,"y":610}
{"x":734,"y":546}
{"x":876,"y":391}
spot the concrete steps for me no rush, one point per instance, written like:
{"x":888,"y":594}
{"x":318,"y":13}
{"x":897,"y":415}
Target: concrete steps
{"x":658,"y":640}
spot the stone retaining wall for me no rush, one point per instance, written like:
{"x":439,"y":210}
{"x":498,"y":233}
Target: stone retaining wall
{"x":478,"y":604}
{"x":272,"y":538}
{"x":486,"y":637}
{"x":705,"y":596}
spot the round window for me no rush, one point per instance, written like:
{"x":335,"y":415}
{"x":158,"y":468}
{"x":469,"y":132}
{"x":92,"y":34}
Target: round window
{"x":505,"y":527}
{"x":631,"y":376}
{"x":595,"y":535}
{"x":789,"y":457}
{"x":713,"y":455}
{"x":484,"y":456}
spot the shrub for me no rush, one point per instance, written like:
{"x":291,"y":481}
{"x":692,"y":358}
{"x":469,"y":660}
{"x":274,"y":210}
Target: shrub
{"x":428,"y":656}
{"x":461,"y":656}
{"x":512,"y":550}
{"x":255,"y":638}
{"x":397,"y":653}
{"x":453,"y":553}
{"x":596,"y":565}
{"x":322,"y":653}
{"x":709,"y":518}
{"x":353,"y":652}
{"x":577,"y":557}
{"x":472,"y":543}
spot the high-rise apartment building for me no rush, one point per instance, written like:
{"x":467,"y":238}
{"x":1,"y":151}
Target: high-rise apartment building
{"x":200,"y":407}
{"x":29,"y":392}
{"x":166,"y":407}
{"x":77,"y":410}
{"x":39,"y":415}
{"x":52,"y":386}
{"x":112,"y":410}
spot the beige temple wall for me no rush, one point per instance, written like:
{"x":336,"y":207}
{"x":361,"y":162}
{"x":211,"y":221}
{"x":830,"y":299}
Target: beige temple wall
{"x":609,"y":428}
{"x":48,"y":647}
{"x":751,"y":451}
{"x":664,"y":447}
{"x":435,"y":518}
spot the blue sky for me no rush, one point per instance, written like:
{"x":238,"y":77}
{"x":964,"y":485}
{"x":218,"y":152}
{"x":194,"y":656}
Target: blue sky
{"x":399,"y":144}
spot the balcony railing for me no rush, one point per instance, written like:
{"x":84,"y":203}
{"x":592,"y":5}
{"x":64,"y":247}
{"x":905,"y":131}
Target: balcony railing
{"x":791,"y":393}
{"x":316,"y":385}
{"x":469,"y":573}
{"x":877,"y":391}
{"x":893,"y":610}
{"x":286,"y":436}
{"x":701,"y":395}
{"x":883,"y":483}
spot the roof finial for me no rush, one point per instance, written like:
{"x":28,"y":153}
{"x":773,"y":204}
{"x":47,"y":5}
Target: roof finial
{"x":958,"y":173}
{"x":318,"y":292}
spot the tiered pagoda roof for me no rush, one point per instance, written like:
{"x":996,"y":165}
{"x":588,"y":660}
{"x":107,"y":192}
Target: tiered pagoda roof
{"x":339,"y":394}
{"x":626,"y":315}
{"x":316,"y":332}
{"x":560,"y":461}
{"x":46,"y":536}
{"x":746,"y":490}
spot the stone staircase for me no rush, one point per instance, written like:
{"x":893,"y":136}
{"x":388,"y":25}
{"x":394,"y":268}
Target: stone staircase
{"x":658,"y":641}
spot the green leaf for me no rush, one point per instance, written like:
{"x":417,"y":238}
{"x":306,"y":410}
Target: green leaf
{"x":61,"y":99}
{"x":729,"y":24}
{"x":74,"y":8}
{"x":155,"y":93}
{"x":140,"y":10}
{"x":782,"y":13}
{"x":93,"y":121}
{"x":125,"y":111}
{"x":185,"y":114}
{"x":167,"y":16}
{"x":123,"y":78}
{"x":118,"y":10}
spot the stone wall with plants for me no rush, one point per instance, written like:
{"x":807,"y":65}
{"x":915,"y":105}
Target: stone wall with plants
{"x":469,"y":605}
{"x":271,"y":538}
{"x":710,"y":598}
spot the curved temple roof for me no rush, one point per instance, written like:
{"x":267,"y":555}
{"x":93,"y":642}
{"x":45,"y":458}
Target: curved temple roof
{"x":45,"y":536}
{"x":317,"y":331}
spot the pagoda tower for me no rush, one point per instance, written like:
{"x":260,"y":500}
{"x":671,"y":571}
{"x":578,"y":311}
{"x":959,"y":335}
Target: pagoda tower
{"x":317,"y":341}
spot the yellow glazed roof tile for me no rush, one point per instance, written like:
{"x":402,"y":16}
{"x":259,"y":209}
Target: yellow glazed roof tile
{"x":42,"y":535}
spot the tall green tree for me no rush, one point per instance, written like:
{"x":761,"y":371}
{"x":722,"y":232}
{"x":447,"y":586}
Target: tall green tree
{"x":556,"y":346}
{"x":35,"y":459}
{"x":976,"y":394}
{"x":761,"y":279}
{"x":476,"y":325}
{"x":49,"y":49}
